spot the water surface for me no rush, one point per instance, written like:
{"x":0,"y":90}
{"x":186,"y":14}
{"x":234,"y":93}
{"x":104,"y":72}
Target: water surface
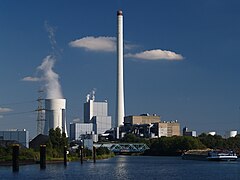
{"x":130,"y":167}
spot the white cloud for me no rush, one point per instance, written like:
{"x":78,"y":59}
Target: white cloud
{"x":31,"y":79}
{"x":101,"y":43}
{"x":156,"y":54}
{"x":4,"y":110}
{"x":1,"y":116}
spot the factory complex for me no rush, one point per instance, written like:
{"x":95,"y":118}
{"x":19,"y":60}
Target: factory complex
{"x":97,"y":124}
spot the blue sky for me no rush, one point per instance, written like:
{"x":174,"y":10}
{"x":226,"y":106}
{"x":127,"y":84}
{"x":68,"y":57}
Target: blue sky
{"x":193,"y":76}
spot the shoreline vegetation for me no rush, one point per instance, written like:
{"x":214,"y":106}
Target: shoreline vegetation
{"x":177,"y":145}
{"x":54,"y":151}
{"x":164,"y":146}
{"x":50,"y":160}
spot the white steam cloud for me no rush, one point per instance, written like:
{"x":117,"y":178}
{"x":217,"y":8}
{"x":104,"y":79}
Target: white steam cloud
{"x":156,"y":54}
{"x":50,"y":78}
{"x":101,"y":43}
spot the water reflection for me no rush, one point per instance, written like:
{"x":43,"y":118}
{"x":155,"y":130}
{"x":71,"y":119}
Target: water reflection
{"x":121,"y":170}
{"x":129,"y":167}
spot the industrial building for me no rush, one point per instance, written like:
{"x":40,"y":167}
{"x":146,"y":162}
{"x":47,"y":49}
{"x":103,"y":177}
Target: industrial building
{"x":150,"y":126}
{"x":78,"y":129}
{"x":22,"y":136}
{"x":96,"y":119}
{"x":168,"y":128}
{"x":142,"y":119}
{"x":55,"y":115}
{"x":187,"y":132}
{"x":94,"y":109}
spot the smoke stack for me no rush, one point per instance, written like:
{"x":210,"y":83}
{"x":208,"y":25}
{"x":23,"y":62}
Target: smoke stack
{"x":120,"y":87}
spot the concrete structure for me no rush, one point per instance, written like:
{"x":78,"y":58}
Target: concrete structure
{"x":101,"y":124}
{"x":55,"y":115}
{"x":150,"y":126}
{"x":92,"y":108}
{"x":168,"y":129}
{"x":186,"y":132}
{"x":142,"y":119}
{"x":14,"y":134}
{"x":96,"y":120}
{"x":97,"y":113}
{"x":120,"y":88}
{"x":78,"y":129}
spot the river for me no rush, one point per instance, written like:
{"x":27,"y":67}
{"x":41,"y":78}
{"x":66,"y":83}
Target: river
{"x":130,"y":167}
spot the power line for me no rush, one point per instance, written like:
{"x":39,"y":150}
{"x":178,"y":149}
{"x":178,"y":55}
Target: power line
{"x":17,"y":113}
{"x":15,"y":103}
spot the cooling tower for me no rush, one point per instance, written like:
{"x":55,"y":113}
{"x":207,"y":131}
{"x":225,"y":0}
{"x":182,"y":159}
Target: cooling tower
{"x":55,"y":115}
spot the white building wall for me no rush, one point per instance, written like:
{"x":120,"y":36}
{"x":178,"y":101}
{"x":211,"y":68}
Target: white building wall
{"x":78,"y":129}
{"x":101,"y":124}
{"x":21,"y":136}
{"x":92,"y":108}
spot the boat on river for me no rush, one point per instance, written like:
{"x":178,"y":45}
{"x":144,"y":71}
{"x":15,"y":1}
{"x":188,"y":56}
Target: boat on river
{"x":222,"y":156}
{"x":210,"y":155}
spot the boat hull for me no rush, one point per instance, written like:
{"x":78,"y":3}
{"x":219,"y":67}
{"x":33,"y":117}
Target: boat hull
{"x":222,"y":158}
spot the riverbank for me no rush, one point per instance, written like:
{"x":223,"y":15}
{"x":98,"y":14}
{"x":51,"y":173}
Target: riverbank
{"x":57,"y":160}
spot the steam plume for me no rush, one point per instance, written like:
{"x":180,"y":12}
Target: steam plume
{"x":50,"y":78}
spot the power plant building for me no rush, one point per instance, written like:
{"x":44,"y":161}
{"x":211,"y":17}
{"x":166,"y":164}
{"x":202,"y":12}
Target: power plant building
{"x":14,"y":134}
{"x":150,"y":126}
{"x":168,"y":129}
{"x":96,"y":119}
{"x":94,"y":109}
{"x":142,"y":119}
{"x":55,"y":115}
{"x":79,"y":129}
{"x":101,"y":124}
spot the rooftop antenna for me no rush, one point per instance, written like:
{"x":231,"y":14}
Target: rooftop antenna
{"x":41,"y":112}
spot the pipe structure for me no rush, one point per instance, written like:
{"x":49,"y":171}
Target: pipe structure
{"x":120,"y":85}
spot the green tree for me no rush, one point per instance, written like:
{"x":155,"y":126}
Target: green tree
{"x":56,"y":143}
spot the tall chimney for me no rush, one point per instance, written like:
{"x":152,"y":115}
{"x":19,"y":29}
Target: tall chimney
{"x":120,"y":87}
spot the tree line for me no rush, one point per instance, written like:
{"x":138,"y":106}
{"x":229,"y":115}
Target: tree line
{"x":176,"y":145}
